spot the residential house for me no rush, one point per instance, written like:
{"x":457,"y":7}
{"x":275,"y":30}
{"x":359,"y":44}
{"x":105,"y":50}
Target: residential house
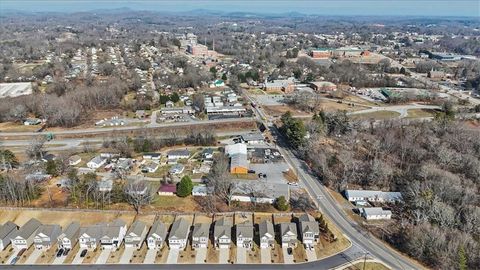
{"x":266,"y":234}
{"x":32,"y":122}
{"x":152,"y":156}
{"x":207,"y":153}
{"x":200,"y":235}
{"x":69,"y":237}
{"x":178,"y":154}
{"x":179,"y":234}
{"x":74,"y":160}
{"x":169,"y":104}
{"x":259,"y":191}
{"x":244,"y":234}
{"x":136,"y":234}
{"x":372,"y":196}
{"x":96,"y":162}
{"x":157,"y":235}
{"x":112,"y":235}
{"x":89,"y":237}
{"x":288,"y":234}
{"x":24,"y":236}
{"x":201,"y":190}
{"x":309,"y":230}
{"x":176,"y":169}
{"x":222,"y":233}
{"x":124,"y":164}
{"x":323,"y":86}
{"x":105,"y":185}
{"x":150,"y":167}
{"x":253,"y":138}
{"x":234,"y":149}
{"x":167,"y":190}
{"x":47,"y":236}
{"x":7,"y":232}
{"x":373,"y":213}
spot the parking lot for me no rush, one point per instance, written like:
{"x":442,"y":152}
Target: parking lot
{"x":274,"y":171}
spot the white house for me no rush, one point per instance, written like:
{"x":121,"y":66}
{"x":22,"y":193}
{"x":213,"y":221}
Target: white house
{"x":201,"y":190}
{"x":259,"y":191}
{"x":7,"y":231}
{"x":47,"y":236}
{"x":266,"y":234}
{"x":200,"y":235}
{"x":179,"y":234}
{"x":112,"y":235}
{"x":177,"y":169}
{"x":136,"y":234}
{"x":222,"y":233}
{"x":69,"y":237}
{"x":24,"y":236}
{"x":373,"y":213}
{"x":74,"y":160}
{"x":89,"y":237}
{"x":309,"y":230}
{"x":244,"y":234}
{"x":157,"y":235}
{"x":288,"y":234}
{"x":96,"y":162}
{"x":373,"y":196}
{"x":150,"y":167}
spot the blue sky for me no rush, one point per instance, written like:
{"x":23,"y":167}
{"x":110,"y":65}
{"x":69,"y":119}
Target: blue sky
{"x":469,"y":8}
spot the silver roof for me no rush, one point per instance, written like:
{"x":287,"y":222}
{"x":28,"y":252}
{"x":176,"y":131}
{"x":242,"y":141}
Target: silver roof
{"x":180,"y":229}
{"x":244,"y":229}
{"x":29,"y":228}
{"x":137,"y":228}
{"x":6,"y":229}
{"x":266,"y":227}
{"x":201,"y":230}
{"x":222,"y":227}
{"x":159,"y":229}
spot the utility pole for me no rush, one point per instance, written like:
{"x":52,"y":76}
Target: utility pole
{"x":365,"y":260}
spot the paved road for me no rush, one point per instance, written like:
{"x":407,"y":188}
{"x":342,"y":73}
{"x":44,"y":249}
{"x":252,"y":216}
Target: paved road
{"x":401,"y":109}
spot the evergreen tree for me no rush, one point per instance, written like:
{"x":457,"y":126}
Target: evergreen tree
{"x":185,"y":187}
{"x":281,"y":203}
{"x":462,"y":259}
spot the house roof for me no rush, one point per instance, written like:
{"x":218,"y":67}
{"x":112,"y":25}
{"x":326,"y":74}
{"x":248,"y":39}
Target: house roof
{"x":136,"y":228}
{"x":244,"y":229}
{"x":266,"y":228}
{"x":201,"y":230}
{"x":254,"y":136}
{"x":262,"y":189}
{"x":238,"y":148}
{"x":373,"y":211}
{"x":179,"y":152}
{"x":168,"y":188}
{"x":97,"y":160}
{"x":289,"y":227}
{"x":202,"y":189}
{"x":390,"y":196}
{"x":6,"y":229}
{"x":223,"y":227}
{"x":159,"y":229}
{"x":180,"y":229}
{"x":29,"y":228}
{"x":308,"y":224}
{"x":239,"y":160}
{"x":49,"y":230}
{"x":71,"y":230}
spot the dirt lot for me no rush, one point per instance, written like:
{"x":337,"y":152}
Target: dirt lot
{"x":203,"y":218}
{"x":278,"y":110}
{"x":240,"y":218}
{"x":282,"y":218}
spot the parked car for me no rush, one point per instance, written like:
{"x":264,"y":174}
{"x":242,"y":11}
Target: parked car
{"x":289,"y":251}
{"x":14,"y":260}
{"x":84,"y":252}
{"x":21,"y":252}
{"x":66,"y":251}
{"x":60,"y":252}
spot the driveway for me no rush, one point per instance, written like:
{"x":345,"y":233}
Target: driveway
{"x":102,"y":259}
{"x":241,"y":255}
{"x":223,"y":256}
{"x":266,"y":255}
{"x":150,"y":256}
{"x":9,"y":260}
{"x":173,"y":256}
{"x":201,"y":255}
{"x":127,"y":255}
{"x":288,"y":259}
{"x":78,"y":259}
{"x":59,"y":260}
{"x":34,"y":256}
{"x":311,"y":255}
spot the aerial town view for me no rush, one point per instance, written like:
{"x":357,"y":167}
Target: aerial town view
{"x":240,"y":134}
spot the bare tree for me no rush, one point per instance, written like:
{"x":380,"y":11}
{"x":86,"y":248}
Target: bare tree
{"x":138,"y":194}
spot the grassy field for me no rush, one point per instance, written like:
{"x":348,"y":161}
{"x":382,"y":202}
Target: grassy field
{"x":420,"y":113}
{"x":379,"y":115}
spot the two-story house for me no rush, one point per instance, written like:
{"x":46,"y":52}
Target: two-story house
{"x":7,"y":231}
{"x":136,"y":234}
{"x":47,"y":236}
{"x":244,"y":234}
{"x":24,"y":236}
{"x":222,"y":233}
{"x":200,"y":235}
{"x":89,"y":237}
{"x":179,"y":234}
{"x":288,"y":234}
{"x":309,"y":230}
{"x":113,"y":234}
{"x":266,"y":234}
{"x":157,"y":235}
{"x":69,"y":237}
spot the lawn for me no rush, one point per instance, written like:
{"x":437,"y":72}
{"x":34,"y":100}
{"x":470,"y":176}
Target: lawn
{"x":379,"y":115}
{"x":173,"y":203}
{"x":420,"y":113}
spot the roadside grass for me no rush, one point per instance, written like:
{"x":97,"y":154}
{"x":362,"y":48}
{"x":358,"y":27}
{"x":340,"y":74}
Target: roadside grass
{"x":420,"y":113}
{"x":379,"y":115}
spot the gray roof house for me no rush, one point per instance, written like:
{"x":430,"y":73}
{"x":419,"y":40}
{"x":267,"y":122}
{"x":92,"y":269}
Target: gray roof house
{"x":288,"y":234}
{"x":244,"y":234}
{"x":200,"y":235}
{"x":309,"y":230}
{"x":112,"y":235}
{"x":24,"y":236}
{"x":7,"y":231}
{"x":156,"y":236}
{"x":47,"y":236}
{"x":266,"y":234}
{"x":69,"y":237}
{"x":259,"y":191}
{"x":375,"y":213}
{"x":89,"y":237}
{"x":179,"y":234}
{"x":222,"y":233}
{"x":373,"y":196}
{"x":136,"y":234}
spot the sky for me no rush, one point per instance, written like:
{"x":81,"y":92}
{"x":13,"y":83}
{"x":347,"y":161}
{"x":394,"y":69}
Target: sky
{"x":460,"y":8}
